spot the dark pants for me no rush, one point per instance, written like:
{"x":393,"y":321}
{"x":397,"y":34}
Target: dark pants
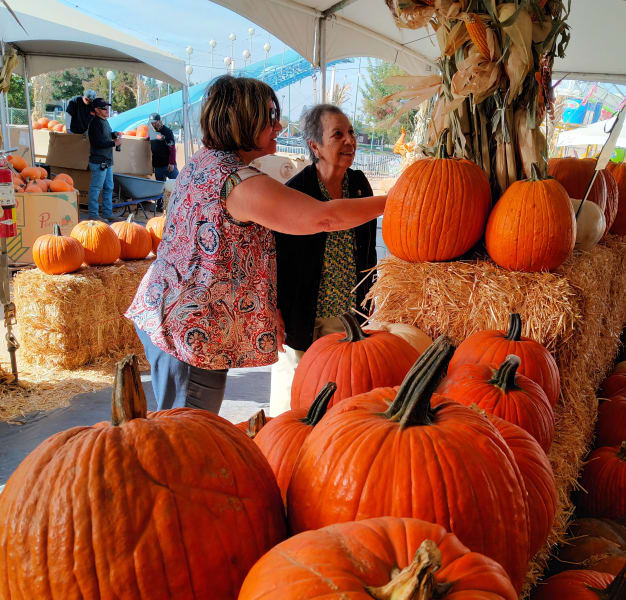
{"x":177,"y":384}
{"x":161,"y":173}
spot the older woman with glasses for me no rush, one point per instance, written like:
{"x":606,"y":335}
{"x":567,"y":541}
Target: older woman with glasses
{"x":208,"y":302}
{"x":317,"y":273}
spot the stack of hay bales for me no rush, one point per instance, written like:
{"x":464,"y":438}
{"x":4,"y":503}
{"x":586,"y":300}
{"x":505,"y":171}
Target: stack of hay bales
{"x":577,"y":312}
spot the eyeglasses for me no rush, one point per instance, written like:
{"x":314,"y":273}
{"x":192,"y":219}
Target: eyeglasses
{"x":274,"y":115}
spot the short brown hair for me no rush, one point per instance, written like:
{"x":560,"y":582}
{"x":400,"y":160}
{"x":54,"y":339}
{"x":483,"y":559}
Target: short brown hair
{"x":234,"y":113}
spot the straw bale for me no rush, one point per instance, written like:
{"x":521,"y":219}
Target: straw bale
{"x":577,"y":312}
{"x":70,"y":320}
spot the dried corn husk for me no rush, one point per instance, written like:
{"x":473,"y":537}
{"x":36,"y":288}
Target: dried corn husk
{"x":477,"y":76}
{"x":520,"y":57}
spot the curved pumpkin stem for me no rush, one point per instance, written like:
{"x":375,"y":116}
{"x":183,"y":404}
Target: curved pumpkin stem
{"x":417,"y":581}
{"x":56,"y":230}
{"x":515,"y":328}
{"x":504,"y":377}
{"x":130,"y":217}
{"x":412,"y":403}
{"x":318,"y":409}
{"x":129,"y":400}
{"x":354,"y":333}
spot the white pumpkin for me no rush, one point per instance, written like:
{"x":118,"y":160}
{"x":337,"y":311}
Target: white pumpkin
{"x":416,"y":337}
{"x":590,"y":224}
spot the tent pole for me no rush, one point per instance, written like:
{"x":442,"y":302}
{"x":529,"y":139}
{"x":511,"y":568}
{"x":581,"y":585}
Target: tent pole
{"x":28,"y":115}
{"x":3,"y":111}
{"x":322,"y":56}
{"x":186,"y":128}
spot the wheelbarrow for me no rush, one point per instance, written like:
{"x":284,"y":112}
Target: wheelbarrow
{"x":135,"y":191}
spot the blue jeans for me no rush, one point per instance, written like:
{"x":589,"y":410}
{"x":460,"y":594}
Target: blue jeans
{"x":177,"y":384}
{"x":101,"y":180}
{"x":161,"y":173}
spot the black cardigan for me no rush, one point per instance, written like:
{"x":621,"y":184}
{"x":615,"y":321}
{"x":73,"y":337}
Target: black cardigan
{"x":300,"y":258}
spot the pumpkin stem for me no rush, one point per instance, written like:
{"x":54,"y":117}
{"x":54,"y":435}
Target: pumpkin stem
{"x":56,"y":230}
{"x":354,"y":333}
{"x":504,"y":377}
{"x":417,"y":581}
{"x":129,"y":400}
{"x":622,"y":452}
{"x":515,"y":328}
{"x":130,"y":218}
{"x":616,"y":589}
{"x":535,"y":174}
{"x":318,"y":409}
{"x":412,"y":403}
{"x":442,"y":145}
{"x":255,"y":423}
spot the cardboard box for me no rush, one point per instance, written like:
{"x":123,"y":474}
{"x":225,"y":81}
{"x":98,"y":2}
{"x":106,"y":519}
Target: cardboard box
{"x":135,"y":157}
{"x":36,"y":214}
{"x":18,"y":137}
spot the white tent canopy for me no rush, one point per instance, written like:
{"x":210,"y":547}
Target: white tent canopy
{"x":367,"y":28}
{"x":592,"y":135}
{"x":60,"y":37}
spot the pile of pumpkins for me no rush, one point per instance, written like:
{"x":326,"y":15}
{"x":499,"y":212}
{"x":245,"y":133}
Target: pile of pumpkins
{"x":141,"y":132}
{"x":50,"y":125}
{"x":440,"y":208}
{"x":34,"y":180}
{"x":96,"y":243}
{"x":393,"y":481}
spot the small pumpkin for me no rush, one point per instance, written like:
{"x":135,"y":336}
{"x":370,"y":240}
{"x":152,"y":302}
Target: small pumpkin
{"x":135,"y":239}
{"x":415,"y":336}
{"x":603,"y":483}
{"x":43,"y":122}
{"x":357,"y":362}
{"x":17,"y":162}
{"x":52,"y":124}
{"x":55,"y":253}
{"x":45,"y":184}
{"x":611,"y":423}
{"x":131,"y":132}
{"x":58,"y":128}
{"x":492,"y":347}
{"x":281,"y":440}
{"x":101,"y":244}
{"x":618,"y":170}
{"x":32,"y":187}
{"x":503,"y":392}
{"x":590,"y":224}
{"x":582,"y":585}
{"x":65,"y":177}
{"x":532,"y":227}
{"x":142,"y":131}
{"x":614,"y":385}
{"x":155,"y":226}
{"x":30,"y":173}
{"x":381,"y":559}
{"x":60,"y":185}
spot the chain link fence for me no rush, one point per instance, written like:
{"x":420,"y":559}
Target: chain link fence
{"x":17,"y":116}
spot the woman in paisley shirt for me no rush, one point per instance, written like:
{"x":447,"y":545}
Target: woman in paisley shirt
{"x":208,"y":302}
{"x":317,"y":273}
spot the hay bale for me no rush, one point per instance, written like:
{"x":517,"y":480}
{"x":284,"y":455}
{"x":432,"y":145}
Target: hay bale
{"x":70,"y":320}
{"x":578,"y":313}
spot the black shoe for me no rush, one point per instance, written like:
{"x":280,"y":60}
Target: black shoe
{"x":112,"y":219}
{"x":159,"y":206}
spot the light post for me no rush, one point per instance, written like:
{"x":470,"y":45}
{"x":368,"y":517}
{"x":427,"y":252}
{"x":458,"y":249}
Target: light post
{"x":110,"y":76}
{"x":267,"y":47}
{"x":246,"y":56}
{"x":212,"y":44}
{"x":189,"y":71}
{"x":159,"y":84}
{"x":251,"y":33}
{"x":227,"y":62}
{"x":188,"y":68}
{"x":232,"y":37}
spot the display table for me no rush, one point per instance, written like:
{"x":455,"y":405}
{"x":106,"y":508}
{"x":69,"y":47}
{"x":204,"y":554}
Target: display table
{"x":577,"y":312}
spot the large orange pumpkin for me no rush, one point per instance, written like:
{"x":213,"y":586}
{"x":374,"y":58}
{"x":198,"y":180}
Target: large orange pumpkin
{"x":505,"y":393}
{"x":581,"y":585}
{"x":55,"y":254}
{"x":492,"y":347}
{"x":101,"y":244}
{"x":618,"y":170}
{"x":538,"y":479}
{"x":603,"y":483}
{"x":281,"y":439}
{"x":135,"y":239}
{"x":377,"y":559}
{"x":388,"y":452}
{"x":357,"y":362}
{"x":173,"y":504}
{"x":575,"y":175}
{"x":155,"y":226}
{"x":436,"y":210}
{"x":532,"y":227}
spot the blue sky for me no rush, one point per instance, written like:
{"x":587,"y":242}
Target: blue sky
{"x":175,"y":25}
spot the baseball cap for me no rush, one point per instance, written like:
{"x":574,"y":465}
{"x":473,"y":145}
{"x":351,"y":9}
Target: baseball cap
{"x":100,"y":103}
{"x":90,"y":94}
{"x":155,"y":117}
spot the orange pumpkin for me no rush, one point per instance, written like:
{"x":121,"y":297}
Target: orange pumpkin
{"x":43,"y":122}
{"x":58,"y":127}
{"x":30,"y":173}
{"x":65,"y":177}
{"x":44,"y":184}
{"x":155,"y":226}
{"x":436,"y":210}
{"x":56,"y":254}
{"x":32,"y":187}
{"x":60,"y":185}
{"x":612,"y":199}
{"x":582,"y":585}
{"x":101,"y":244}
{"x":358,"y":362}
{"x":131,"y":132}
{"x":575,"y":175}
{"x":376,"y":559}
{"x":170,"y":489}
{"x":135,"y":239}
{"x":52,"y":124}
{"x":17,"y":162}
{"x":618,"y":170}
{"x":142,"y":131}
{"x":532,"y":227}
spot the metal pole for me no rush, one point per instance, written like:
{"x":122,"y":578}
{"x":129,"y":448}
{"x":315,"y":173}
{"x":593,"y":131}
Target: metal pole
{"x":3,"y":113}
{"x":356,"y":95}
{"x":322,"y":26}
{"x":289,"y":116}
{"x":30,"y":121}
{"x":186,"y":127}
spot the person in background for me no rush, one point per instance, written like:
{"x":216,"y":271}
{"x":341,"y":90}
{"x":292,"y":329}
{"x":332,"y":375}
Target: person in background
{"x":317,"y":273}
{"x":163,"y":147}
{"x":101,"y":143}
{"x":79,"y":112}
{"x":208,"y":301}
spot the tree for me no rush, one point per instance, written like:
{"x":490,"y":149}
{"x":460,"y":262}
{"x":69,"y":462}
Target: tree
{"x":16,"y":95}
{"x":69,"y":83}
{"x":374,"y":89}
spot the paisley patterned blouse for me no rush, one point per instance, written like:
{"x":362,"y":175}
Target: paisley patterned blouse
{"x":209,"y":298}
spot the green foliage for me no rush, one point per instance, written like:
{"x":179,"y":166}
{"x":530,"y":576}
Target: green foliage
{"x":69,"y":83}
{"x":373,"y":90}
{"x":16,"y":95}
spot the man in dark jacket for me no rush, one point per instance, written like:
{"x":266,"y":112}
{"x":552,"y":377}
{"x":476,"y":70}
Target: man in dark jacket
{"x":101,"y":141}
{"x":163,"y":148}
{"x":317,"y":274}
{"x":79,"y":112}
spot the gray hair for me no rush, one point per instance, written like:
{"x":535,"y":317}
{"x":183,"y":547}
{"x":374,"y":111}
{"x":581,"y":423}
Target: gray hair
{"x":312,"y":129}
